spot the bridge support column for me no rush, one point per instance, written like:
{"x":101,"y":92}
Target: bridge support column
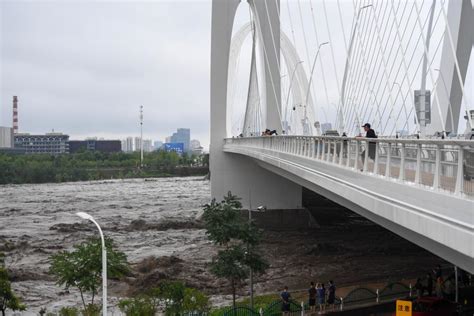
{"x":230,"y":172}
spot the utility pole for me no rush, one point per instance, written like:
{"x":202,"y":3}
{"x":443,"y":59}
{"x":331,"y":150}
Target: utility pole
{"x":141,"y":136}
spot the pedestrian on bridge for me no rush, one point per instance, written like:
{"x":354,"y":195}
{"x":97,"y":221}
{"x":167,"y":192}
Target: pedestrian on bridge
{"x":369,"y":133}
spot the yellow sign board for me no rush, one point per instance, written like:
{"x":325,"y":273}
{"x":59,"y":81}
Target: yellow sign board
{"x":404,"y":308}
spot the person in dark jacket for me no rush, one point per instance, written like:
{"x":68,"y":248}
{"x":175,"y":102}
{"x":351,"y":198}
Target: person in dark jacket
{"x":369,"y":133}
{"x":312,"y":297}
{"x":331,"y":294}
{"x":285,"y":301}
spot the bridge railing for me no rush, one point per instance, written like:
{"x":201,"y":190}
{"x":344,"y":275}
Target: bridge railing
{"x":438,"y":164}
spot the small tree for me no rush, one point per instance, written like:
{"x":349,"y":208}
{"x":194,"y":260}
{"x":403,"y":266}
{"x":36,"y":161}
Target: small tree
{"x":237,"y":239}
{"x":82,"y":268}
{"x":174,"y":296}
{"x":8,"y":299}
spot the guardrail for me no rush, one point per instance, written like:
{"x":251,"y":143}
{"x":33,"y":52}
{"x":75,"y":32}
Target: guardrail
{"x":438,"y":164}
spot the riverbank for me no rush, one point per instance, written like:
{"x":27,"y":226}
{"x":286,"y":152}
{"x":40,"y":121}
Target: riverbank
{"x":89,"y":166}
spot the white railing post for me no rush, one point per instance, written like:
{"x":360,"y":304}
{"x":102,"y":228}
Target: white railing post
{"x":342,"y":304}
{"x":334,"y":152}
{"x":313,"y":150}
{"x":323,"y":148}
{"x":388,"y":165}
{"x":302,"y":308}
{"x":348,"y":162}
{"x":366,"y":156}
{"x":356,"y":163}
{"x":341,"y":152}
{"x":418,"y":164}
{"x":401,"y":175}
{"x":437,"y":168}
{"x":377,"y":300}
{"x":318,"y":149}
{"x":460,"y":175}
{"x":376,"y":162}
{"x":328,"y":151}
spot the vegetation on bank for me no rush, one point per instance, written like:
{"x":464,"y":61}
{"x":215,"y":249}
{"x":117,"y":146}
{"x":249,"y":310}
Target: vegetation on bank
{"x":88,"y":165}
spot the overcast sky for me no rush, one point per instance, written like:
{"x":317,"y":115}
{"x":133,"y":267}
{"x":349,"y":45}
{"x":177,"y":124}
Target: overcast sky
{"x":84,"y":67}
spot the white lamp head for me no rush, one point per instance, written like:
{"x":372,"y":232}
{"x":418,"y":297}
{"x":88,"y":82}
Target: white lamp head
{"x":84,"y":215}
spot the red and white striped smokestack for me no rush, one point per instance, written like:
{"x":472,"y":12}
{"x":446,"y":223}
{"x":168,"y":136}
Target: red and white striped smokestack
{"x":15,"y":114}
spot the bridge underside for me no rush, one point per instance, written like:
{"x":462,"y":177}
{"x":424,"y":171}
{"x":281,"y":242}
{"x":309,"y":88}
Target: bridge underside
{"x":440,"y":223}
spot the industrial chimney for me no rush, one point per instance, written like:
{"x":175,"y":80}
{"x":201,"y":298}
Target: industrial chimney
{"x":15,"y":114}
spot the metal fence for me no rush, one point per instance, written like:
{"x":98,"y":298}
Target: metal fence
{"x":439,"y":164}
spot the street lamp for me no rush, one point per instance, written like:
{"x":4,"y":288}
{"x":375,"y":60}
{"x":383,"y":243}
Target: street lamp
{"x":259,"y":209}
{"x":309,"y":83}
{"x":104,"y":261}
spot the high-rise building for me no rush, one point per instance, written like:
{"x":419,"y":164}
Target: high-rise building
{"x":182,"y":135}
{"x":50,"y":143}
{"x":6,"y":137}
{"x":127,"y":145}
{"x":147,"y":145}
{"x":138,"y":144}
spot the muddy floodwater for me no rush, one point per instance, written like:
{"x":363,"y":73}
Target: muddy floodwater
{"x":154,"y":222}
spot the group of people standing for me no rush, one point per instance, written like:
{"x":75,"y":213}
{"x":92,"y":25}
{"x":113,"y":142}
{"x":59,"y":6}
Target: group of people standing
{"x":318,"y":297}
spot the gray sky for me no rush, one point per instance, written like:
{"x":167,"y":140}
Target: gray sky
{"x":84,"y":67}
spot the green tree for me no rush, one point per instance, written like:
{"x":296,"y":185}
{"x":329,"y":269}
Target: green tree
{"x":82,"y":268}
{"x":138,"y":306}
{"x":174,"y":296}
{"x":237,"y":240}
{"x":8,"y":299}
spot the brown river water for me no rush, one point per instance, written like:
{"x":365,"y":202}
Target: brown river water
{"x":154,"y":222}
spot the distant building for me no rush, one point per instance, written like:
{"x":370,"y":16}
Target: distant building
{"x":138,"y":144}
{"x":196,"y":147}
{"x":325,"y":127}
{"x":50,"y":143}
{"x":182,"y":135}
{"x":176,"y":147}
{"x":127,"y":145}
{"x":147,"y":145}
{"x":6,"y":137}
{"x":107,"y":146}
{"x":157,"y":145}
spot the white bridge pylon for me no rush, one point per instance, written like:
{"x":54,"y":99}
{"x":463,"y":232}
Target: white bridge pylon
{"x":303,"y":109}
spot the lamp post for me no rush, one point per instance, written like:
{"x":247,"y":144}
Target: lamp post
{"x":289,"y":90}
{"x":104,"y":261}
{"x":141,"y":136}
{"x":259,"y":209}
{"x":309,"y":84}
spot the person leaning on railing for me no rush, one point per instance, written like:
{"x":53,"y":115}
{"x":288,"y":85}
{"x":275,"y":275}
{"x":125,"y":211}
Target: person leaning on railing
{"x":369,"y":133}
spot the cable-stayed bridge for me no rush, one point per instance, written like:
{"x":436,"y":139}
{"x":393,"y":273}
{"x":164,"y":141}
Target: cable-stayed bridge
{"x":309,"y":66}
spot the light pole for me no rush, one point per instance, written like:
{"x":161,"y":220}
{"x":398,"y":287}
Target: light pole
{"x":309,"y":83}
{"x":104,"y":261}
{"x":289,"y":90}
{"x":259,"y":209}
{"x":141,"y":136}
